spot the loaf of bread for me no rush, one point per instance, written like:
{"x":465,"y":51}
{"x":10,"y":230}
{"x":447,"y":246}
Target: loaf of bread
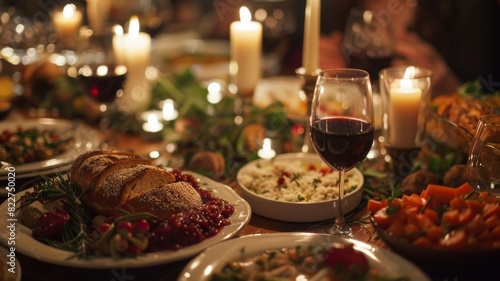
{"x":119,"y":180}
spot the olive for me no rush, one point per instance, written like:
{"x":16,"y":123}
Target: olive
{"x":29,"y":215}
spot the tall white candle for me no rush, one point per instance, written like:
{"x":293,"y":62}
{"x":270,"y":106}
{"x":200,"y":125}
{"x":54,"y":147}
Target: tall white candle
{"x":404,"y":106}
{"x":310,"y":51}
{"x":246,"y":45}
{"x":67,"y":22}
{"x":136,"y":48}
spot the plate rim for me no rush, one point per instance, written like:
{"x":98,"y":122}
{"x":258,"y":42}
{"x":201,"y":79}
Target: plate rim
{"x":289,"y":239}
{"x":93,"y":138}
{"x":29,"y":246}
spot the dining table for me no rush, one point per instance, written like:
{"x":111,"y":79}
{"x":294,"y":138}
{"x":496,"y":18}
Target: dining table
{"x":34,"y":269}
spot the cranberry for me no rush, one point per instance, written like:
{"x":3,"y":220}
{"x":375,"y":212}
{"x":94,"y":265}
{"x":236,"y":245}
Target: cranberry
{"x":142,"y":225}
{"x":104,"y":227}
{"x":51,"y":224}
{"x":124,"y":227}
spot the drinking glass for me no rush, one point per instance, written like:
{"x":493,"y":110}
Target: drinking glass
{"x":342,"y":126}
{"x":97,"y":69}
{"x":368,"y":41}
{"x":483,"y":173}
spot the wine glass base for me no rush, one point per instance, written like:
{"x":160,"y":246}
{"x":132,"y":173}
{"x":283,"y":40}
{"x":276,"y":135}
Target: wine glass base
{"x":357,"y":231}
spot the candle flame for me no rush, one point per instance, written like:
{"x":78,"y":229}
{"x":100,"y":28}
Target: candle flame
{"x":133,"y":28}
{"x":152,"y":119}
{"x":245,"y":15}
{"x":410,"y":72}
{"x":118,"y":29}
{"x":68,"y":11}
{"x":406,"y":82}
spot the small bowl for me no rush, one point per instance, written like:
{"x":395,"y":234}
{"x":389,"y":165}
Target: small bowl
{"x":298,"y":211}
{"x":442,"y":260}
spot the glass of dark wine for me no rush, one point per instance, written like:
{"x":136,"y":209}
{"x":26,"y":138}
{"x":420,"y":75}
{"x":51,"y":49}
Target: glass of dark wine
{"x":342,"y":127}
{"x":101,"y":75}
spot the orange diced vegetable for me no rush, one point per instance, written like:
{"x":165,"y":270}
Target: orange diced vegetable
{"x":454,"y":239}
{"x":458,"y":203}
{"x":382,"y":218}
{"x":397,"y":228}
{"x":465,"y":216}
{"x":450,"y":218}
{"x":441,"y":193}
{"x":373,"y":205}
{"x":491,"y":209}
{"x":434,"y":233}
{"x":464,"y":189}
{"x":432,"y":215}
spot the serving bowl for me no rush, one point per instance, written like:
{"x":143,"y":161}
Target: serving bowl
{"x":467,"y":261}
{"x":296,"y":211}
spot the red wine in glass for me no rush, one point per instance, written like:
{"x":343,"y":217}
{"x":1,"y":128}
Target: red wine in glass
{"x":343,"y":142}
{"x":102,"y":82}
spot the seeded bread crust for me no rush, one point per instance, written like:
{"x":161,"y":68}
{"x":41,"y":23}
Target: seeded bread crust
{"x":114,"y":180}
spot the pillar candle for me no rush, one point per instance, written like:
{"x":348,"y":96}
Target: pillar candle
{"x":67,"y":22}
{"x":310,"y":51}
{"x":246,"y":49}
{"x":404,"y":106}
{"x":136,"y":48}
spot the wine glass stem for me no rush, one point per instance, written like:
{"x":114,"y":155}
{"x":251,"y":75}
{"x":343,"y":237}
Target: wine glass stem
{"x":340,"y":221}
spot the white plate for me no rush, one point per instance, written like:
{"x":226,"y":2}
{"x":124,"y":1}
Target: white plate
{"x":201,"y":267}
{"x":297,"y":211}
{"x":85,"y":138}
{"x":27,"y":245}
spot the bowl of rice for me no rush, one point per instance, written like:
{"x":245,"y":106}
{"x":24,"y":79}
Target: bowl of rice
{"x":297,"y":187}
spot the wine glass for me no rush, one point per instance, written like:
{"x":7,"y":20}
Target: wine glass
{"x":367,"y":41}
{"x":484,"y":156}
{"x":342,"y":126}
{"x":102,"y":77}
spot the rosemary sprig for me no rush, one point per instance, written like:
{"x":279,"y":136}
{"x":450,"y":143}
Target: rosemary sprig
{"x":75,"y":234}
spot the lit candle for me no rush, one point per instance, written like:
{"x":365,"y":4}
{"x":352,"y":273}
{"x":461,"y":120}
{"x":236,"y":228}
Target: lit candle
{"x":152,"y":125}
{"x":67,"y":22}
{"x":168,"y":110}
{"x":246,"y":49}
{"x":214,"y":93}
{"x":266,"y":152}
{"x":310,"y":51}
{"x":136,"y":48}
{"x":404,"y":105}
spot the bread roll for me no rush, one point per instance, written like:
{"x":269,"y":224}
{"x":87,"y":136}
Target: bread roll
{"x":164,"y":200}
{"x":113,"y":180}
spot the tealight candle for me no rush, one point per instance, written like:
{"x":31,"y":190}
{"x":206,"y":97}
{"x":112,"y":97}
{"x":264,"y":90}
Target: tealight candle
{"x":405,"y":99}
{"x":266,"y":152}
{"x":246,"y":49}
{"x":152,"y":125}
{"x":168,"y":110}
{"x":67,"y":22}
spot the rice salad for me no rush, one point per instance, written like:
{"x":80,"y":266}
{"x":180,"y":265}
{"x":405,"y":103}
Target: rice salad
{"x":294,"y":181}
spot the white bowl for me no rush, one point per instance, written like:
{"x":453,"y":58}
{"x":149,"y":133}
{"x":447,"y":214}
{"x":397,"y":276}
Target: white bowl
{"x":297,"y":211}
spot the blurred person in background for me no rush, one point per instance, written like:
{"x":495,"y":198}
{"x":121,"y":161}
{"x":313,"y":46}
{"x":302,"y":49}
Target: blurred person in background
{"x":458,"y":40}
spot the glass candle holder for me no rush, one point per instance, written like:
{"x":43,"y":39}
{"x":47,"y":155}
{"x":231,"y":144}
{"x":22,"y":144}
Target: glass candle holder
{"x":405,"y":93}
